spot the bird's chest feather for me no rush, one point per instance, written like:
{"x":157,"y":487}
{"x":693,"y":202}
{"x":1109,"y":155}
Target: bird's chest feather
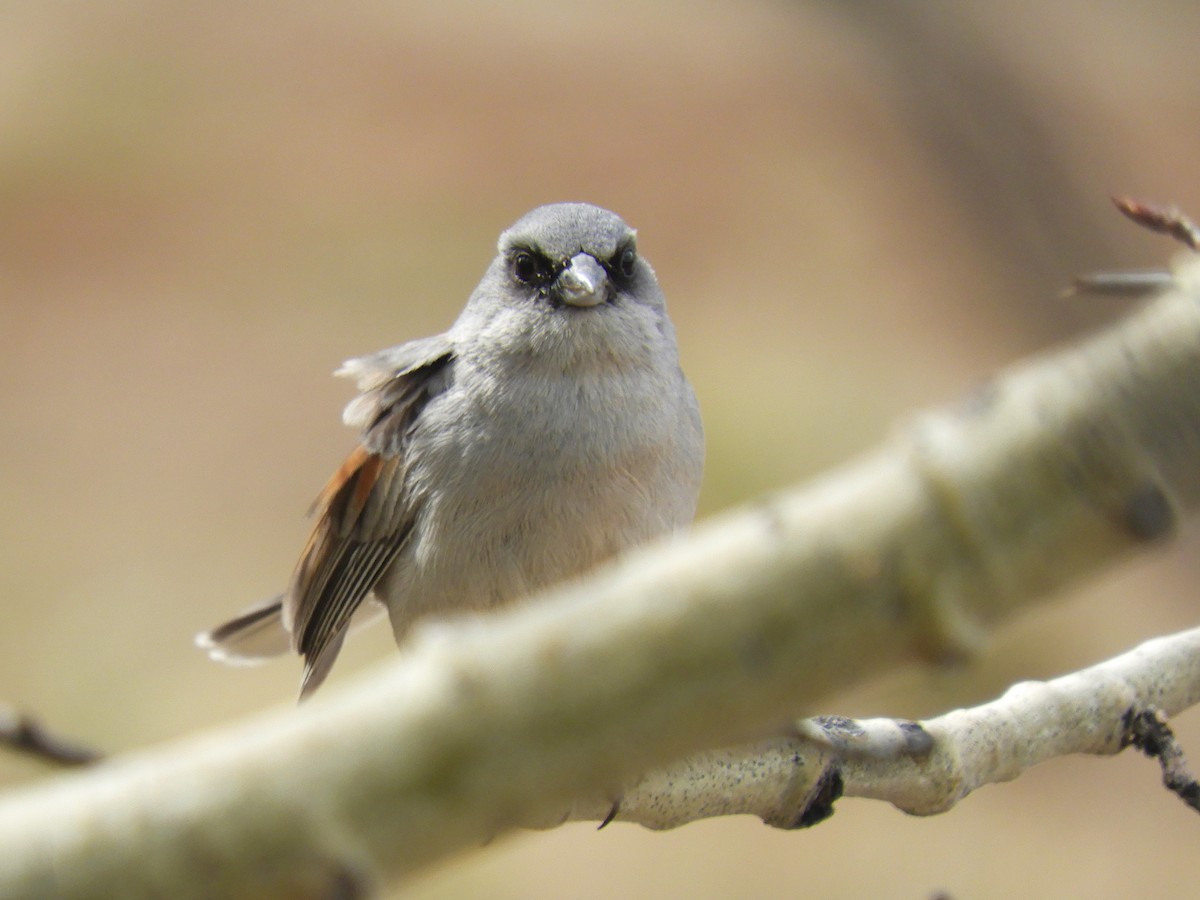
{"x":544,"y":480}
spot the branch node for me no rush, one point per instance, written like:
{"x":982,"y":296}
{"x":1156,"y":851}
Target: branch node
{"x":820,"y":803}
{"x":1148,"y":513}
{"x":948,"y":631}
{"x":867,"y":738}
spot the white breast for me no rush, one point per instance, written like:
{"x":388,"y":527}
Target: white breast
{"x":528,"y":485}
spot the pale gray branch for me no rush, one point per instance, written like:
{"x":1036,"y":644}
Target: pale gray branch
{"x":792,"y":780}
{"x":1085,"y":712}
{"x":1050,"y":473}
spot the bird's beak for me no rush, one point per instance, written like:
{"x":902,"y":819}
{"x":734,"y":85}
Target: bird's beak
{"x":583,"y":282}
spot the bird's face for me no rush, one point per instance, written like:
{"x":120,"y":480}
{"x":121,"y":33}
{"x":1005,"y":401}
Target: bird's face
{"x":568,"y":282}
{"x":572,"y":255}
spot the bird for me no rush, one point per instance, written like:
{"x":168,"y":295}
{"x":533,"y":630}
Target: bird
{"x":548,"y":430}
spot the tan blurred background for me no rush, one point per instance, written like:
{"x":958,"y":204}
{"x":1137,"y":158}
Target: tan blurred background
{"x":856,"y":210}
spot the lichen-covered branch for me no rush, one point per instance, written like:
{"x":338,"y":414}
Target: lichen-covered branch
{"x":1052,"y":472}
{"x":792,"y":780}
{"x":1090,"y":711}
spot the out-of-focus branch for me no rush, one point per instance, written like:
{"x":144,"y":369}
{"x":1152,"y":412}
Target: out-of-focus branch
{"x":1050,"y":473}
{"x":26,"y":734}
{"x":791,"y":781}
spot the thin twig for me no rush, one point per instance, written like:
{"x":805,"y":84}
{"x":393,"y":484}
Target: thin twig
{"x":1168,"y":220}
{"x":24,"y":733}
{"x":1137,"y":283}
{"x":1131,"y":283}
{"x":1148,"y":730}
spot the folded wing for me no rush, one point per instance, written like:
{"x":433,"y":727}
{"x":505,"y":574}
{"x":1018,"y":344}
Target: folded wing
{"x":364,"y":515}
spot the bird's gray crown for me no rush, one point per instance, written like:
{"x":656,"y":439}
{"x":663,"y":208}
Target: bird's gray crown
{"x":560,"y":230}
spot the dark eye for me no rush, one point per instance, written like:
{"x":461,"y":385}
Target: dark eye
{"x":528,"y":268}
{"x":627,"y":262}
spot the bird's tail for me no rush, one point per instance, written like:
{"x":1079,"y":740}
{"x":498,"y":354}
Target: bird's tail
{"x":251,"y":637}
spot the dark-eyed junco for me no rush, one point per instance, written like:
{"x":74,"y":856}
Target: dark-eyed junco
{"x":550,"y":428}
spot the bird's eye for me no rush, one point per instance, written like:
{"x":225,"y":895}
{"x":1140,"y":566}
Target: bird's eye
{"x":528,"y":268}
{"x":627,"y":262}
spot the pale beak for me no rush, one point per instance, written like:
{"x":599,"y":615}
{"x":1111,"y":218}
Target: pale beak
{"x":583,"y":282}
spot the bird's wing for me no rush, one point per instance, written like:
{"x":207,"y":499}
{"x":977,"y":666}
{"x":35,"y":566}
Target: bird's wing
{"x":363,"y":515}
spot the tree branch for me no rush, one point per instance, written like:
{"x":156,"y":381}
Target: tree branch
{"x":791,"y":781}
{"x":24,"y":733}
{"x":1047,"y":475}
{"x":1149,"y":732}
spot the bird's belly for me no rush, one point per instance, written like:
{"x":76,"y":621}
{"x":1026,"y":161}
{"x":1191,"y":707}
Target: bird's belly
{"x":506,"y":539}
{"x":504,"y":512}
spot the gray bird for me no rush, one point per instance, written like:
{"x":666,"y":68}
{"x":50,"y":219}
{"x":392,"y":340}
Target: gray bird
{"x":550,"y":428}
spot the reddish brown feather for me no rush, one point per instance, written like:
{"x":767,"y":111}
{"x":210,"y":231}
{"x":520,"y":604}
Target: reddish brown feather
{"x":359,"y":472}
{"x":361,"y":460}
{"x":339,"y":509}
{"x":364,"y":484}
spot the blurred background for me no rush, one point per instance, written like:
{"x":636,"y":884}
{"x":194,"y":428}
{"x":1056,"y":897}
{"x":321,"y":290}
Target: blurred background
{"x":856,"y":209}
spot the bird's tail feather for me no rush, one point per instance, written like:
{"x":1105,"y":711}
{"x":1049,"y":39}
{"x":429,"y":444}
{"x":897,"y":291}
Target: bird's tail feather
{"x":251,"y":637}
